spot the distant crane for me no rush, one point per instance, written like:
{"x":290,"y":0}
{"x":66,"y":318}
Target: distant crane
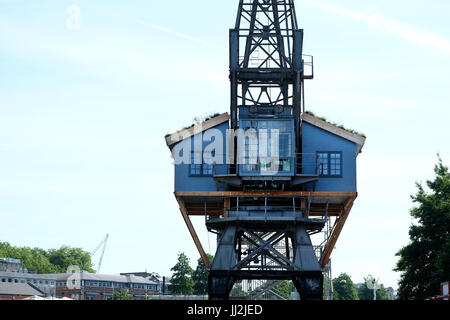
{"x":103,"y":243}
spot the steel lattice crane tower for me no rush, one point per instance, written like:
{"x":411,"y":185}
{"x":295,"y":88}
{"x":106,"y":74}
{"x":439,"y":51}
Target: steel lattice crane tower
{"x":266,"y":73}
{"x":268,"y":177}
{"x":266,"y":60}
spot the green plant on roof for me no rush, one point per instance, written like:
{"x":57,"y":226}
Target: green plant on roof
{"x":198,"y":120}
{"x":336,"y":124}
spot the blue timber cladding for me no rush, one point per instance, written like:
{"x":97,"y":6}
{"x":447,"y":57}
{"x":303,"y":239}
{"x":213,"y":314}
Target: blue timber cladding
{"x":315,"y":140}
{"x":184,"y":181}
{"x":318,"y":140}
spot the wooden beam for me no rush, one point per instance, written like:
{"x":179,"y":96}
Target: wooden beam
{"x":192,"y":232}
{"x":231,"y":194}
{"x":202,"y":213}
{"x":303,"y":204}
{"x":215,"y":205}
{"x":226,"y":206}
{"x":199,"y":213}
{"x":336,"y":233}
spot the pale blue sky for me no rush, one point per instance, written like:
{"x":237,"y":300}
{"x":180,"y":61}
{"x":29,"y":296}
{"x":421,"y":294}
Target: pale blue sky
{"x":83,"y":114}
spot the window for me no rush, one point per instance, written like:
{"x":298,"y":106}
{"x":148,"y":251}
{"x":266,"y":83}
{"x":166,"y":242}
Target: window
{"x":335,"y":164}
{"x":251,"y":154}
{"x":330,"y":164}
{"x":199,"y":166}
{"x":207,"y":167}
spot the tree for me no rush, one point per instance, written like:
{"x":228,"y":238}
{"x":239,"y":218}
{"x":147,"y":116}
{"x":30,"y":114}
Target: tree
{"x":200,"y":276}
{"x":237,"y":291}
{"x":285,"y":288}
{"x":366,"y":291}
{"x":344,"y":288}
{"x":121,"y":295}
{"x":425,"y":261}
{"x":50,"y":261}
{"x":65,"y":256}
{"x":181,"y":281}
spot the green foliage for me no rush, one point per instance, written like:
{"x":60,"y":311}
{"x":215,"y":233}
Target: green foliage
{"x":285,"y":288}
{"x":198,"y":120}
{"x":238,"y":291}
{"x":121,"y":295}
{"x":425,"y":261}
{"x":50,"y":261}
{"x":181,"y":281}
{"x":344,"y":288}
{"x":366,"y":293}
{"x":337,"y":125}
{"x":65,"y":256}
{"x":200,"y":276}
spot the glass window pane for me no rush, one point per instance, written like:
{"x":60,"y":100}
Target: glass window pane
{"x":323,"y":163}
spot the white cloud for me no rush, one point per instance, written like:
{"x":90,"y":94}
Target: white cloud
{"x":179,"y":35}
{"x":123,"y":56}
{"x":374,"y":20}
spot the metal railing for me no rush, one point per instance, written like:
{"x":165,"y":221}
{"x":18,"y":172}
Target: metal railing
{"x":307,"y":163}
{"x":308,"y":66}
{"x":304,"y":163}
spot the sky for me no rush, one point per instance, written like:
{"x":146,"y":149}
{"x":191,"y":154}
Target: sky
{"x":85,"y":105}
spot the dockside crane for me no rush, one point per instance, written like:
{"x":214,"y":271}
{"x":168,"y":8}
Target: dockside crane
{"x":103,"y":243}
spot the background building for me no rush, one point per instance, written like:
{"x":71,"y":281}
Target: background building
{"x":44,"y":282}
{"x":390,"y":293}
{"x":11,"y":265}
{"x":18,"y":291}
{"x":88,"y":286}
{"x":12,"y":271}
{"x":162,"y":282}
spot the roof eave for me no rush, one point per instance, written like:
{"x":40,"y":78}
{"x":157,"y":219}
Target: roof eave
{"x":357,"y":139}
{"x":199,"y":128}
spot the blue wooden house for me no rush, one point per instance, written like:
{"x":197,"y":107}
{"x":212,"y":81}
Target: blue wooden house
{"x":322,"y":180}
{"x":327,"y":164}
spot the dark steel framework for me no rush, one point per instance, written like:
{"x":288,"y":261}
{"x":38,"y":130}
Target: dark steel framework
{"x":258,"y":240}
{"x":267,"y":67}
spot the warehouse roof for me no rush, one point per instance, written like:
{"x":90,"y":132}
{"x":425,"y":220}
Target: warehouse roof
{"x":107,"y":277}
{"x":18,"y":289}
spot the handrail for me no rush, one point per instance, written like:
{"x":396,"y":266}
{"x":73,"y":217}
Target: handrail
{"x":305,"y":163}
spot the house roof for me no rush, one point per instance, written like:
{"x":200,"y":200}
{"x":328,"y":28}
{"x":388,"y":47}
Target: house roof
{"x":107,"y":277}
{"x":201,"y":127}
{"x":355,"y":138}
{"x":28,"y":276}
{"x":18,"y":289}
{"x":187,"y":133}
